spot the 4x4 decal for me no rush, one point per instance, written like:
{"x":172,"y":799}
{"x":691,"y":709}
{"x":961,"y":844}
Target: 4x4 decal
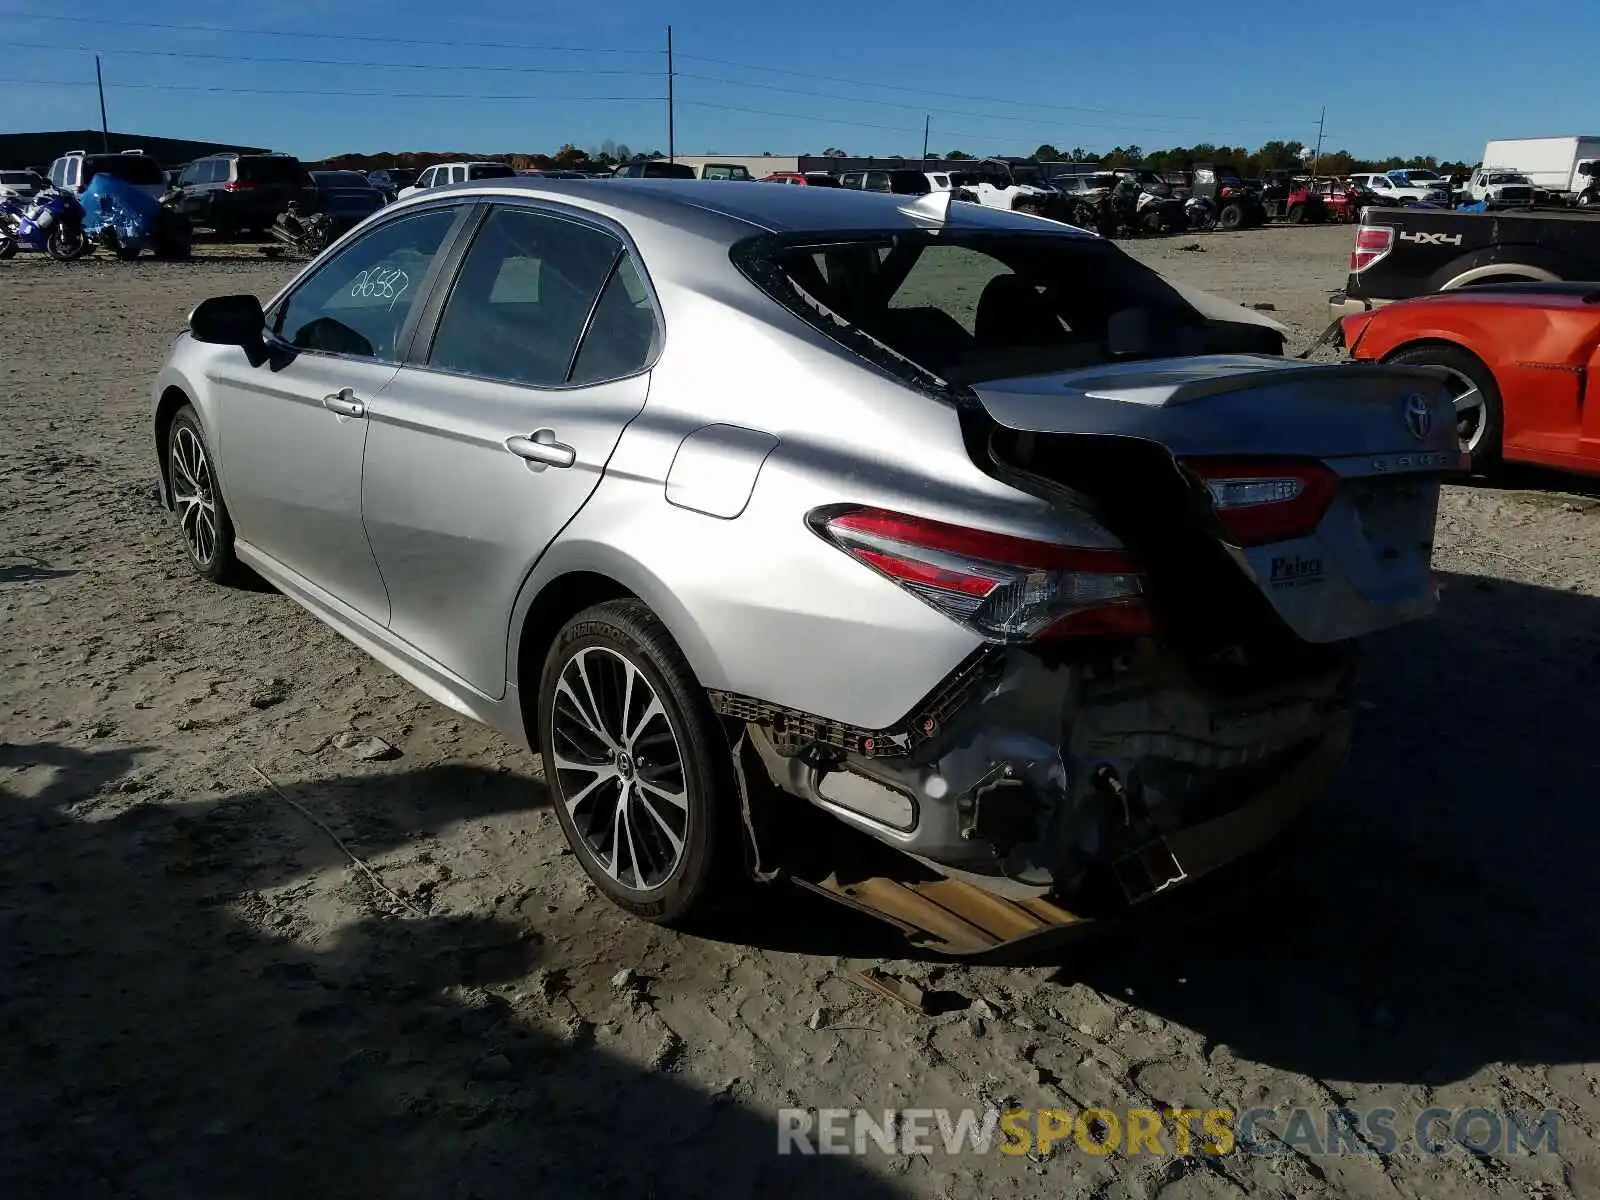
{"x":1432,"y":239}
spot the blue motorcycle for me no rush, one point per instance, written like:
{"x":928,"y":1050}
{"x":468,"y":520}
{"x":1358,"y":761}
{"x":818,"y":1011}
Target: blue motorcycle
{"x":50,"y":222}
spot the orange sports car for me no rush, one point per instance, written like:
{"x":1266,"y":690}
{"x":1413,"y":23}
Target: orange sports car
{"x":1523,"y":361}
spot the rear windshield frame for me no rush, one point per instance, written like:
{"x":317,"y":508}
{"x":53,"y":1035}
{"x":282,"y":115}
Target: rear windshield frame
{"x":761,"y":259}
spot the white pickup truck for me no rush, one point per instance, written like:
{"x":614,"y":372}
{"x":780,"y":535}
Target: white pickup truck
{"x":1396,"y":185}
{"x":1498,"y":188}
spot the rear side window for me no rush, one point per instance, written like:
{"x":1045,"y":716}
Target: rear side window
{"x":271,"y":170}
{"x":522,"y":298}
{"x":136,"y":169}
{"x":623,"y":335}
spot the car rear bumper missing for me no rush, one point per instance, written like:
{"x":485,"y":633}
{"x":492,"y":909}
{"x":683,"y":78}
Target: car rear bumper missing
{"x":961,"y":917}
{"x":1055,"y":795}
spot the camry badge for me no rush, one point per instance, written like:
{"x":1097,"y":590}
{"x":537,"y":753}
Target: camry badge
{"x":1419,"y":417}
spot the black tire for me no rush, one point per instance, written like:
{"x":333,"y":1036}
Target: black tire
{"x":626,"y":631}
{"x":67,"y":244}
{"x":8,"y":248}
{"x":1486,"y":451}
{"x":220,"y":566}
{"x":1231,"y":217}
{"x":1296,"y":214}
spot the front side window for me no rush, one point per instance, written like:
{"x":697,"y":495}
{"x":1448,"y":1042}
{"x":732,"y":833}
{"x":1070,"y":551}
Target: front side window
{"x":357,"y":302}
{"x":523,"y":295}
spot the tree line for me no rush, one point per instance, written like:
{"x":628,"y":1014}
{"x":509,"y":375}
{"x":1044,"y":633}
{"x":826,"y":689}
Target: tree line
{"x":1273,"y":156}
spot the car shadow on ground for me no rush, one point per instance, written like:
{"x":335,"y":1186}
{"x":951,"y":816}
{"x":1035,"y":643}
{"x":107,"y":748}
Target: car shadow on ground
{"x":1519,"y":477}
{"x":159,"y":1040}
{"x":1442,"y":914}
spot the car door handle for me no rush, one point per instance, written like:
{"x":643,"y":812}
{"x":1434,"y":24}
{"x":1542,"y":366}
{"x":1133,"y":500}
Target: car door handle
{"x":344,"y":403}
{"x":541,"y":447}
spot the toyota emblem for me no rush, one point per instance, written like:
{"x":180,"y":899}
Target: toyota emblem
{"x":1419,"y":416}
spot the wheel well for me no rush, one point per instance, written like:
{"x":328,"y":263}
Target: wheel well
{"x":1428,"y":343}
{"x":561,"y":599}
{"x":171,"y":401}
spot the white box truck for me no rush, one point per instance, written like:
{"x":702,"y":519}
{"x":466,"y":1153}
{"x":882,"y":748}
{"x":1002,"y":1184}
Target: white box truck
{"x":1553,"y":164}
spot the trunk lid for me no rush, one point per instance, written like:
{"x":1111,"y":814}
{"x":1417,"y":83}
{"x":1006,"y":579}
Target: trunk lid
{"x":1142,"y":443}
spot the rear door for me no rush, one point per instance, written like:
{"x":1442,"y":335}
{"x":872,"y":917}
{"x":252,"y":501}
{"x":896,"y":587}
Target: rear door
{"x":497,"y":430}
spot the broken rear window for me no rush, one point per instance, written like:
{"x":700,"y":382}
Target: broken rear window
{"x":964,"y":306}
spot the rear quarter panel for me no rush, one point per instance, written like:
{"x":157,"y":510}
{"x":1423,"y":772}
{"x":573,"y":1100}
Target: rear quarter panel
{"x":1540,"y":356}
{"x":760,"y":604}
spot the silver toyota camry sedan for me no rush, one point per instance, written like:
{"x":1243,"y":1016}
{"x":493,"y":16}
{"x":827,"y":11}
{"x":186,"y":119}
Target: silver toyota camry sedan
{"x":944,"y":559}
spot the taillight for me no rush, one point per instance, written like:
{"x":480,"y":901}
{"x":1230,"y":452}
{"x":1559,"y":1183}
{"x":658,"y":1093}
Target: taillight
{"x":1260,"y":501}
{"x":1372,"y":243}
{"x":1003,"y":588}
{"x":239,"y":185}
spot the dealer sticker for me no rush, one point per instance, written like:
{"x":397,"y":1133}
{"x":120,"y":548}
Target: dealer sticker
{"x":1293,"y":570}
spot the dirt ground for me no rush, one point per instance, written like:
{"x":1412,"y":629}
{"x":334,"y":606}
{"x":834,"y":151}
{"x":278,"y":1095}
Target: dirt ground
{"x":200,"y":996}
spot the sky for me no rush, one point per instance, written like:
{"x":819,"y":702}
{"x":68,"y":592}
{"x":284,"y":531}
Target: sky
{"x":1437,"y":77}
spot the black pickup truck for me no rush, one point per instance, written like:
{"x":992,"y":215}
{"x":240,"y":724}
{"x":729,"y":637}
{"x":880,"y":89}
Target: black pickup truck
{"x":1404,"y":252}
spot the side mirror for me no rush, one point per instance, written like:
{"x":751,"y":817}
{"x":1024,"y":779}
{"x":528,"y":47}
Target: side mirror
{"x":228,"y":321}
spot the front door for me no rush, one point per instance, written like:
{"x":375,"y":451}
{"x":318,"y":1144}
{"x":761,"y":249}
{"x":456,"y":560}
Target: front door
{"x":483,"y":450}
{"x":292,"y":429}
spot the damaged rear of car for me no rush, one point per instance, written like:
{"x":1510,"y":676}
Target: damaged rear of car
{"x":1161,"y":687}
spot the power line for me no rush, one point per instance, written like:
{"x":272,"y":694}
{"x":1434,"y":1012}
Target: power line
{"x":284,"y":60}
{"x":281,"y":91}
{"x":765,"y":112}
{"x":193,"y":27}
{"x":333,"y":62}
{"x":918,"y":91}
{"x":438,"y":42}
{"x":1036,"y":122}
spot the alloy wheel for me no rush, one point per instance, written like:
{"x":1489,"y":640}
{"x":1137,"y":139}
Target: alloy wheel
{"x":619,"y":764}
{"x":1470,"y":411}
{"x":194,"y":495}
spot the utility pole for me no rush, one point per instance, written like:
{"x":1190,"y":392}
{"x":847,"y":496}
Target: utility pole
{"x":925,"y":120}
{"x":671,"y":148}
{"x":1316,"y":156}
{"x":105,"y":132}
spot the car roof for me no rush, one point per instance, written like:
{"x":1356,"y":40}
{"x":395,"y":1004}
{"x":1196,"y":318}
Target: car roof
{"x":774,"y":210}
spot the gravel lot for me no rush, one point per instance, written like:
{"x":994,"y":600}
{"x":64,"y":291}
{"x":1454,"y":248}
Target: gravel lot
{"x":200,"y":996}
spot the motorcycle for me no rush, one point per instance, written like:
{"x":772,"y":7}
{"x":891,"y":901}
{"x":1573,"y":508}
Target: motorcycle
{"x":1200,"y":212}
{"x":1159,"y":212}
{"x":306,"y":234}
{"x":50,"y":222}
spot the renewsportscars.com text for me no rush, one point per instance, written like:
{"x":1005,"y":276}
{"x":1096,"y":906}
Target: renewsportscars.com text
{"x":1149,"y":1131}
